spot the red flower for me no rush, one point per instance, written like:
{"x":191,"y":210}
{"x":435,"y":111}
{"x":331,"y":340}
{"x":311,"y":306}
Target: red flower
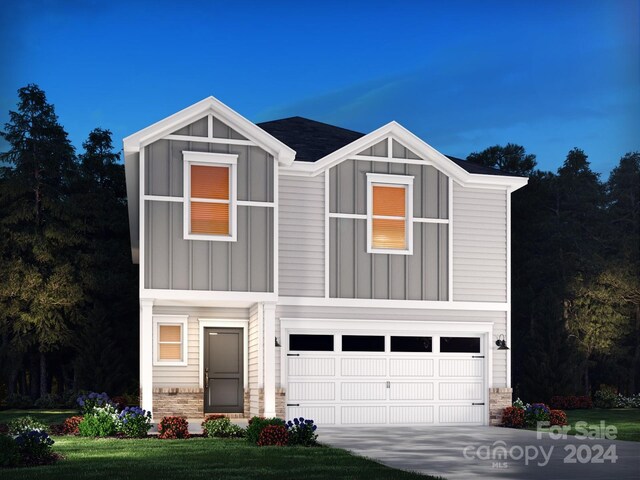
{"x":173,"y":427}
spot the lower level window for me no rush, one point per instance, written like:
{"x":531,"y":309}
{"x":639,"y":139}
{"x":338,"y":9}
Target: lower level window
{"x":170,"y":341}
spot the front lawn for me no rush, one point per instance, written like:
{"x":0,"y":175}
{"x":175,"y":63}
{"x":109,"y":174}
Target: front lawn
{"x":47,"y":417}
{"x":201,"y":458}
{"x":626,"y":420}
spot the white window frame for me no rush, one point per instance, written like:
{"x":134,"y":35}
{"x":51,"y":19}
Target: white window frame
{"x":390,"y":181}
{"x":174,"y":320}
{"x":211,"y":160}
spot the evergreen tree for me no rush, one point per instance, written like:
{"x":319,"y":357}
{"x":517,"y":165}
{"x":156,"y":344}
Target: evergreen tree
{"x":39,"y":294}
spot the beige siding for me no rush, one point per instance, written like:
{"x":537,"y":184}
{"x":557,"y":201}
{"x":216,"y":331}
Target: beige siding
{"x":499,"y":320}
{"x":302,"y":236}
{"x":479,"y":244}
{"x":254,"y":363}
{"x":188,"y":376}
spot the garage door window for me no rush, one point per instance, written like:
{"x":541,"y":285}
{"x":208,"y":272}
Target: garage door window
{"x":311,"y":343}
{"x":411,"y":344}
{"x":362,"y":343}
{"x":459,"y":344}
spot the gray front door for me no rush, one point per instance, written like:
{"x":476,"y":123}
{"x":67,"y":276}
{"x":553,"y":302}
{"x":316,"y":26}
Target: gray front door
{"x":223,"y":368}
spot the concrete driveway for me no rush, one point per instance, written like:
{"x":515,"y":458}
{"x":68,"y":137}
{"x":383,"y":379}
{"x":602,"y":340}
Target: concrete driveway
{"x":475,"y":452}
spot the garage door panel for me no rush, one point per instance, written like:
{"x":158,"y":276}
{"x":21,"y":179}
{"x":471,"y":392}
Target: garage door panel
{"x":324,"y":415}
{"x":369,"y":414}
{"x":363,"y":391}
{"x":461,"y":367}
{"x":460,"y":413}
{"x":311,"y":367}
{"x":411,"y":391}
{"x":460,"y":391}
{"x":402,"y":414}
{"x":364,"y":367}
{"x":299,"y":391}
{"x":411,"y":367}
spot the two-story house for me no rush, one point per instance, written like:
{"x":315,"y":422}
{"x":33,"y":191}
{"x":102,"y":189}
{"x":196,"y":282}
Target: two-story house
{"x":295,"y":268}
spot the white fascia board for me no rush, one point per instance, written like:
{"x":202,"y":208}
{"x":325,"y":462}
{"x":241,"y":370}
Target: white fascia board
{"x":283,"y":154}
{"x":430,"y":155}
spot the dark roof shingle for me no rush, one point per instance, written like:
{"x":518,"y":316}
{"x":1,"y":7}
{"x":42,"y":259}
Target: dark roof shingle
{"x":314,"y":140}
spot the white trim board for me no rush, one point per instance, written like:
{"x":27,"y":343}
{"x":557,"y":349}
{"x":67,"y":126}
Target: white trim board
{"x":402,"y":304}
{"x":183,"y":321}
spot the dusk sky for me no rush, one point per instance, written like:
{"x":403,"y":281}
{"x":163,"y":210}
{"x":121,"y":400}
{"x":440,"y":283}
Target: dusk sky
{"x":462,"y":75}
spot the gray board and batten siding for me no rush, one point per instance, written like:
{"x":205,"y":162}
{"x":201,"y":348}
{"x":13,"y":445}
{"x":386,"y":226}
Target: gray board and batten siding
{"x":354,"y":273}
{"x":175,"y":263}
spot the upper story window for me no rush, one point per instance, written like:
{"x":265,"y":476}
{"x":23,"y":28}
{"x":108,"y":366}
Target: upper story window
{"x":389,"y":214}
{"x":210,"y":206}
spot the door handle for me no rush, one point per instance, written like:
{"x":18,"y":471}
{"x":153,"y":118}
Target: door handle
{"x":206,"y":378}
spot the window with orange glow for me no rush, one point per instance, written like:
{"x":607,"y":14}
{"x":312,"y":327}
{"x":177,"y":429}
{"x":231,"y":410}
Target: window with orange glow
{"x":170,"y":343}
{"x":389,"y":218}
{"x":210,"y":202}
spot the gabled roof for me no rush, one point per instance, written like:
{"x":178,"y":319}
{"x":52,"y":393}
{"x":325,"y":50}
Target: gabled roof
{"x":465,"y":173}
{"x":313,"y":140}
{"x":210,"y":105}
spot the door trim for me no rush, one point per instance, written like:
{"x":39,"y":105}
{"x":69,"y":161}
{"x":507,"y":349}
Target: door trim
{"x":215,"y":323}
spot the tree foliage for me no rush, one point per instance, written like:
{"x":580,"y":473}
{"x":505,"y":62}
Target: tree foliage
{"x":63,"y":234}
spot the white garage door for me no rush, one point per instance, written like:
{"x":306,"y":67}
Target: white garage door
{"x":356,"y":378}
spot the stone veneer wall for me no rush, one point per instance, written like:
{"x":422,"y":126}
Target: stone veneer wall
{"x":281,"y":399}
{"x":499,"y":399}
{"x":184,"y":402}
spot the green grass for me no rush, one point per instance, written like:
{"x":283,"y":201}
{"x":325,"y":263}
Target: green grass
{"x":45,"y":416}
{"x":626,"y":420}
{"x":151,"y":458}
{"x":201,"y":458}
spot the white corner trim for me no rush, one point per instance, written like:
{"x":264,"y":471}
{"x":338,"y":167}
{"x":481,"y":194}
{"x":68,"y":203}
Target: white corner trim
{"x":210,"y":159}
{"x":450,"y":238}
{"x":405,"y":182}
{"x":219,"y":323}
{"x":183,"y":322}
{"x":327,"y":231}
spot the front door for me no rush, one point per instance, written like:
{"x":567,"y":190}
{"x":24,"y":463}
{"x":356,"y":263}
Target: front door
{"x":223,"y":370}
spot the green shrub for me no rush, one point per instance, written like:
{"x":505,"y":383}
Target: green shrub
{"x":9,"y":454}
{"x":25,"y":424}
{"x":605,"y":397}
{"x":257,"y":424}
{"x":222,"y":427}
{"x":536,"y":412}
{"x":134,"y":422}
{"x":302,"y":432}
{"x":101,"y":422}
{"x":34,"y":447}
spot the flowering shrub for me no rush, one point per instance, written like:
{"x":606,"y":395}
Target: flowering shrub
{"x":34,"y":446}
{"x":93,"y":400}
{"x":275,"y":435}
{"x":221,"y":427}
{"x":520,"y":404}
{"x":100,"y":422}
{"x":257,"y":424}
{"x":173,"y":427}
{"x":570,"y":402}
{"x":513,"y":417}
{"x":537,"y":412}
{"x":134,"y":422}
{"x":558,"y":417}
{"x":302,"y":432}
{"x":25,"y":424}
{"x":208,"y":418}
{"x":70,"y":425}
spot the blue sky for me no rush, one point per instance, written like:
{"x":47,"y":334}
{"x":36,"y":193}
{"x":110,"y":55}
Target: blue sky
{"x":463,"y":75}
